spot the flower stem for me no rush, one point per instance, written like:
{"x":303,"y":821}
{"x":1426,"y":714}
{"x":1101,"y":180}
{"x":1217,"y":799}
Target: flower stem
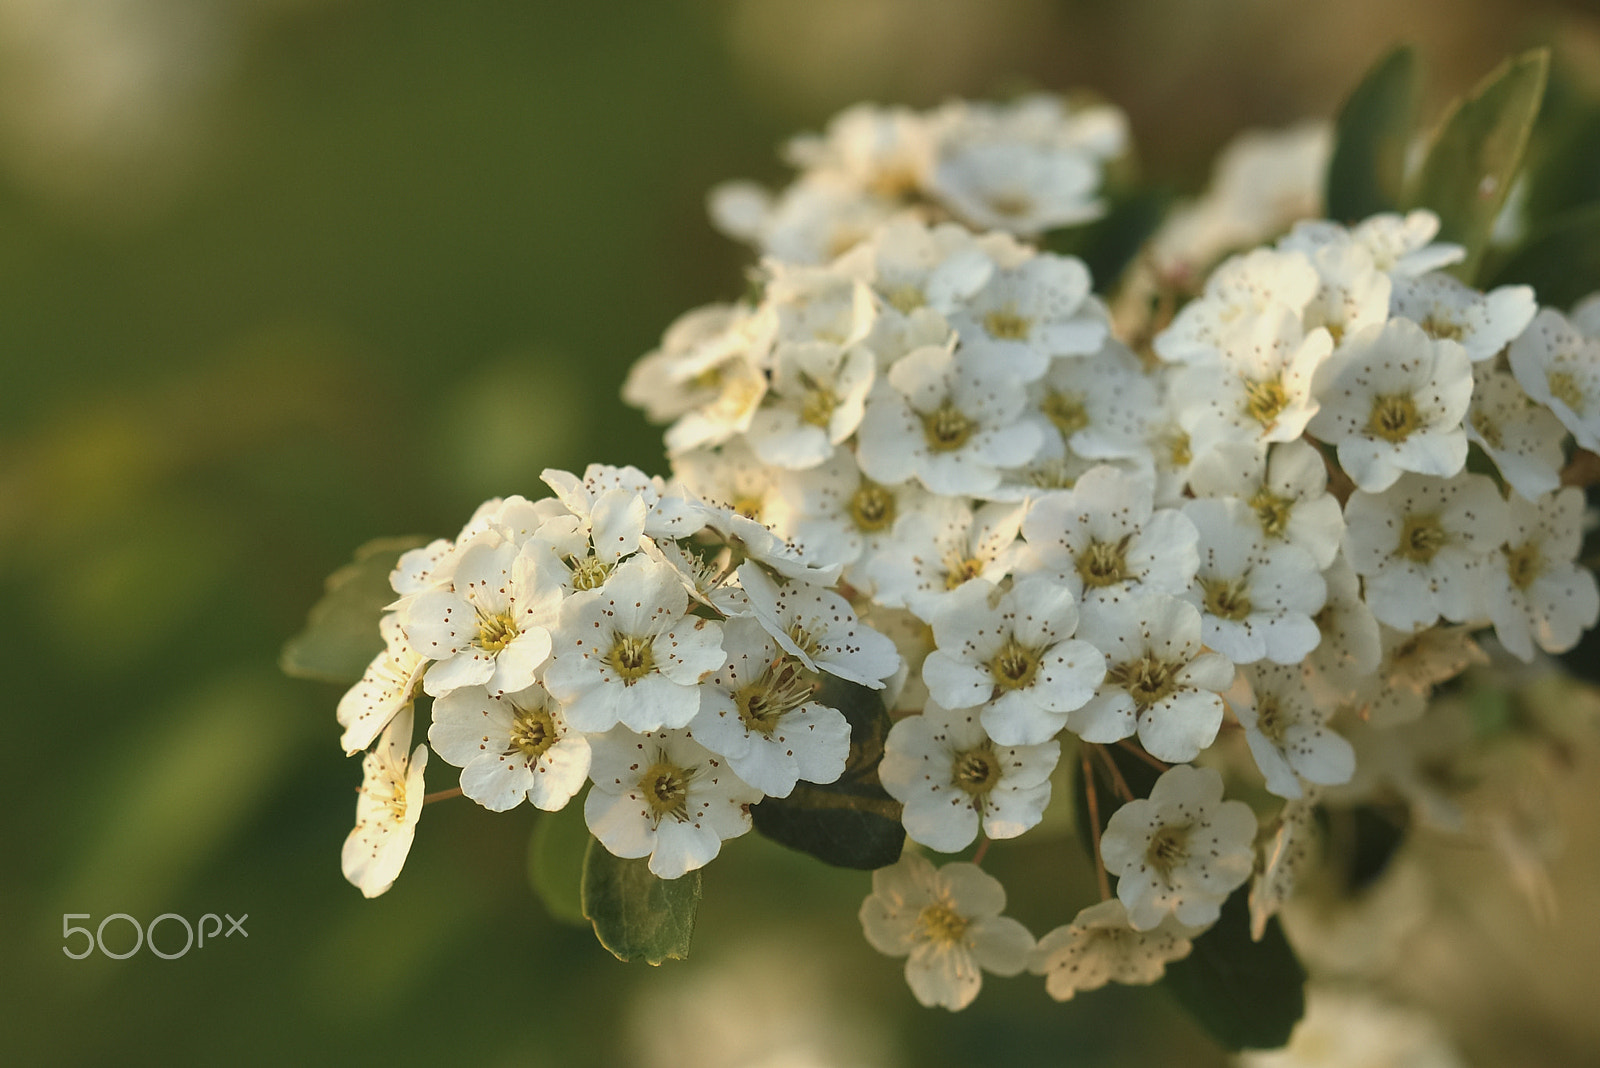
{"x":442,"y":795}
{"x":1093,"y":796}
{"x":1123,"y":790}
{"x":981,"y":851}
{"x":1138,"y":751}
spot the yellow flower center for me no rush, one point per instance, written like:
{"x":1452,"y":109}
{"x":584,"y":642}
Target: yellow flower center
{"x":1270,"y":718}
{"x":1103,"y":563}
{"x":946,"y":428}
{"x":905,"y":299}
{"x":1488,"y":429}
{"x":631,"y":658}
{"x":496,"y":631}
{"x":1437,"y":325}
{"x":1394,"y":417}
{"x":1147,"y":680}
{"x":1010,"y":205}
{"x":1013,"y":666}
{"x":961,"y":570}
{"x":817,"y":408}
{"x":1263,"y":401}
{"x":976,"y":771}
{"x":1523,"y":564}
{"x":588,"y":573}
{"x":872,"y":508}
{"x":748,"y":505}
{"x":1273,"y":511}
{"x":941,"y":923}
{"x":1227,"y":599}
{"x":1564,"y":388}
{"x":1178,"y":452}
{"x":1006,"y":325}
{"x":1066,"y":411}
{"x":781,"y":688}
{"x":533,"y":732}
{"x":1421,"y":538}
{"x":665,"y":787}
{"x":1169,"y":849}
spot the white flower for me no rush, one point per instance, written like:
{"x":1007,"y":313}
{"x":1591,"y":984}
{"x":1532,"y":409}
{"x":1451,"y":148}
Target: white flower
{"x":1099,"y":947}
{"x":1181,"y":852}
{"x":1392,"y":401}
{"x":731,"y":476}
{"x":511,"y":748}
{"x":489,"y":628}
{"x":1241,"y":288}
{"x":684,"y":373}
{"x":387,"y":809}
{"x":1104,"y":537}
{"x":1159,"y":681}
{"x":1029,"y":313}
{"x":1349,"y":650}
{"x":1285,"y":857}
{"x":758,"y":711}
{"x":388,"y":685}
{"x":940,"y":547}
{"x":887,"y":150}
{"x":818,"y":217}
{"x":952,"y":777}
{"x":1484,"y":323}
{"x":1285,"y":485}
{"x":1100,"y":405}
{"x":1398,"y":244}
{"x":1256,"y":596}
{"x":839,"y":515}
{"x":735,"y":387}
{"x":1559,"y":367}
{"x":1287,"y":730}
{"x":948,"y":923}
{"x":820,"y":628}
{"x":1354,"y":293}
{"x":665,"y":796}
{"x":1260,"y":391}
{"x":1539,"y":595}
{"x":816,"y":401}
{"x":948,"y":419}
{"x":627,"y":653}
{"x":1523,"y":439}
{"x":1012,"y":655}
{"x":913,"y":266}
{"x":1421,"y":546}
{"x":1413,"y":663}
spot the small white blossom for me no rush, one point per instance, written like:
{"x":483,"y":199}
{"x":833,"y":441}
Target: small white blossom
{"x":1029,"y":313}
{"x":665,"y":796}
{"x":511,"y":748}
{"x":943,"y":546}
{"x":1259,"y":390}
{"x":1349,"y":650}
{"x":1284,"y":859}
{"x":1538,"y":593}
{"x":1523,"y":439}
{"x":1099,"y":946}
{"x":1354,"y":294}
{"x":1099,"y":405}
{"x":820,"y":628}
{"x":1484,"y":323}
{"x":947,"y":922}
{"x":816,"y":401}
{"x":685,"y":372}
{"x":1181,"y":852}
{"x":387,"y":809}
{"x":952,"y":778}
{"x":388,"y":685}
{"x":1559,"y":367}
{"x":1398,"y":244}
{"x":1287,"y":730}
{"x":1242,"y":288}
{"x":1392,"y":401}
{"x":1285,"y":485}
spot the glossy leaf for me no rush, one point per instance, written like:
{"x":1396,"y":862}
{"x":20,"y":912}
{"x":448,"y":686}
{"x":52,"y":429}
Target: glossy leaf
{"x":1476,"y":152}
{"x":853,"y":822}
{"x":636,"y":915}
{"x":1374,"y":127}
{"x":555,"y":861}
{"x":341,"y":633}
{"x":1561,"y":261}
{"x":1246,"y":994}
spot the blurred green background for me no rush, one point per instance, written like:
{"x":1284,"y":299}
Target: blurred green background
{"x":280,"y":276}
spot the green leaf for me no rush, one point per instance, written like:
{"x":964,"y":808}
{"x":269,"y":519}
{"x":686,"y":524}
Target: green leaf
{"x":555,"y":862}
{"x":636,"y":915}
{"x":341,"y":634}
{"x":1362,"y":841}
{"x":1370,"y":138}
{"x":1476,"y":152}
{"x":1561,"y":261}
{"x":1246,"y":994}
{"x":853,"y":822}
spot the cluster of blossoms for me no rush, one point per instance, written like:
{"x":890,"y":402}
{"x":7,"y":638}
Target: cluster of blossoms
{"x":921,"y":460}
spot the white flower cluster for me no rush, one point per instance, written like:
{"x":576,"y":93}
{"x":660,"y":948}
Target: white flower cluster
{"x":618,"y":632}
{"x":926,"y":460}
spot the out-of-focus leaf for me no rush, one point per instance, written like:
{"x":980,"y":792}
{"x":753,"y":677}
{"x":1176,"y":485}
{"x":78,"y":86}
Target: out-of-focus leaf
{"x":1362,"y":841}
{"x":555,"y":862}
{"x":1108,"y":245}
{"x":1476,"y":152}
{"x":341,"y":634}
{"x":1246,"y":994}
{"x":1562,"y":167}
{"x":1374,"y":126}
{"x":853,"y":822}
{"x":1561,"y":261}
{"x":1139,"y":776}
{"x":636,"y":915}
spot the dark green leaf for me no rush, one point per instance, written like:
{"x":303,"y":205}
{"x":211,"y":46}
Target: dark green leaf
{"x":555,"y":861}
{"x":1108,"y":245}
{"x":1246,"y":994}
{"x":1370,"y":138}
{"x":1476,"y":152}
{"x":341,"y":634}
{"x":636,"y":915}
{"x":1362,"y":841}
{"x":1561,"y":261}
{"x":853,"y":822}
{"x":1563,"y":160}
